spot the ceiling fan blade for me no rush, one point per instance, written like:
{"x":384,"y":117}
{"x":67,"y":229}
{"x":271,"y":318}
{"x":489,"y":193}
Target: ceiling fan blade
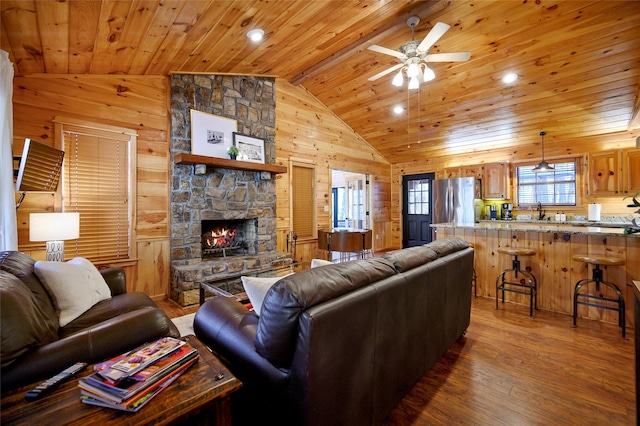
{"x":436,"y":32}
{"x":385,"y":51}
{"x":448,"y":57}
{"x":385,"y":72}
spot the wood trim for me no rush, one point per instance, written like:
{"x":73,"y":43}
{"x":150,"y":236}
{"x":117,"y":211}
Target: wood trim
{"x":182,"y":158}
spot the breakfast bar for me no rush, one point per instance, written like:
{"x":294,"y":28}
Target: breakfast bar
{"x":555,"y":270}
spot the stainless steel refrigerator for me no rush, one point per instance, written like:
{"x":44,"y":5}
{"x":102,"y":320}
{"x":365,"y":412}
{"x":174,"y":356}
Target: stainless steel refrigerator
{"x":453,"y":201}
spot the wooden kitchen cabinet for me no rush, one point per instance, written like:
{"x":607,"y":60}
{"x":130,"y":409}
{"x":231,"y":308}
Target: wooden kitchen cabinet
{"x":631,"y":171}
{"x":614,"y":172}
{"x":452,"y":172}
{"x":496,"y":181}
{"x":604,"y":173}
{"x":472,"y":171}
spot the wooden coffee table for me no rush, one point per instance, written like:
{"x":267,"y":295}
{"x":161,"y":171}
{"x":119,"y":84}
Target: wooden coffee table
{"x":196,"y":397}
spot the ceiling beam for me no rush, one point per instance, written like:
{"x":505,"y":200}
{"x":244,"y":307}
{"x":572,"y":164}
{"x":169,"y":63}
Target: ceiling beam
{"x":423,"y":10}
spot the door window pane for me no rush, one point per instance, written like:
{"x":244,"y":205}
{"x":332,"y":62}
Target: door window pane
{"x":418,"y":196}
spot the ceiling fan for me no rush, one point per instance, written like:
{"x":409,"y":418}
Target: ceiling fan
{"x":415,"y":55}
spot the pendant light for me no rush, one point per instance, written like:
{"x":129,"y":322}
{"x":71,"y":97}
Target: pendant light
{"x":543,"y":166}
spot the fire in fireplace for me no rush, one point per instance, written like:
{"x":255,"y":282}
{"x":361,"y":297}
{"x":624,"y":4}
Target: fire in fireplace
{"x":222,"y":236}
{"x":219,"y":238}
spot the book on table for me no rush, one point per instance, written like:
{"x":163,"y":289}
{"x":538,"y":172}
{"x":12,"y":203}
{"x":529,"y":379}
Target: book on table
{"x":147,"y":371}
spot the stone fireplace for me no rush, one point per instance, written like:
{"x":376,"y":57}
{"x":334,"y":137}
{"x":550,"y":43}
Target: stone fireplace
{"x":203,"y":195}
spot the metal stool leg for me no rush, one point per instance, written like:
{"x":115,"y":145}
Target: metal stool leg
{"x":532,"y":287}
{"x":597,"y":279}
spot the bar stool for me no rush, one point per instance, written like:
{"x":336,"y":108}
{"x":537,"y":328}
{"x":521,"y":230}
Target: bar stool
{"x":474,"y":277}
{"x":367,"y":243}
{"x":597,"y":278}
{"x":528,"y":286}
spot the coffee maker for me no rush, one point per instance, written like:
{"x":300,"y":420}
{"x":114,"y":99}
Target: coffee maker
{"x":507,"y":211}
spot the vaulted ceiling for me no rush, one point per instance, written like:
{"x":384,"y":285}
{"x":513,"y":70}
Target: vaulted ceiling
{"x":578,"y":61}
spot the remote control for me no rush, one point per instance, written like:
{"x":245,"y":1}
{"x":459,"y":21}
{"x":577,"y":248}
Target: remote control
{"x":52,"y":383}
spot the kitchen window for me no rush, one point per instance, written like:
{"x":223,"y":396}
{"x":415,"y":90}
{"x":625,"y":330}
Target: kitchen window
{"x":552,"y":188}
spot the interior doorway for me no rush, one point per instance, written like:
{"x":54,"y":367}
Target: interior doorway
{"x":350,"y":200}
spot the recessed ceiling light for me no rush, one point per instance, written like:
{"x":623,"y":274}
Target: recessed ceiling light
{"x":509,"y":78}
{"x":255,"y":35}
{"x":398,"y":109}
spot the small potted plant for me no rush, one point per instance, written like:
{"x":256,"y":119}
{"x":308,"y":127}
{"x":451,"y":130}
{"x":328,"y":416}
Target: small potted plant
{"x":232,"y":151}
{"x":635,"y":226}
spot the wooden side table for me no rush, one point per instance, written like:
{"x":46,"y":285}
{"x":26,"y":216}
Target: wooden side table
{"x":196,"y":397}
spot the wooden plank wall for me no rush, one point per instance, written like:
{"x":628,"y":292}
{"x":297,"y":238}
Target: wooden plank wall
{"x":139,"y":103}
{"x":307,"y":131}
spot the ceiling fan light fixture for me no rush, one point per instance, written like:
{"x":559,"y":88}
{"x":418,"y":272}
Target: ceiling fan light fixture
{"x":428,"y":74}
{"x":256,"y":34}
{"x":543,"y":166}
{"x":413,"y":83}
{"x":398,"y":79}
{"x":413,"y":70}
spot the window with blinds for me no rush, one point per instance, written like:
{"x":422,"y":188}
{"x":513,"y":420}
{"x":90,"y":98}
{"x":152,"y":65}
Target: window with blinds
{"x":303,"y":204}
{"x":96,"y":182}
{"x":553,"y":188}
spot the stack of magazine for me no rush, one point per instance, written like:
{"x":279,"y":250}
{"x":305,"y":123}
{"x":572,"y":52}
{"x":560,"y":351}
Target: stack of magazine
{"x":127,"y":382}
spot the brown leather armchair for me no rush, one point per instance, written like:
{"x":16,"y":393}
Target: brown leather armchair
{"x":35,"y":347}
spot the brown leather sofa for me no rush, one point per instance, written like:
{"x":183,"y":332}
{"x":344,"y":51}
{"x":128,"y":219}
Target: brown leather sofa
{"x":343,"y":343}
{"x":35,"y":347}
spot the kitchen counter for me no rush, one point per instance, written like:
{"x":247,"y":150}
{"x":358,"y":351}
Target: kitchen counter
{"x":553,"y":266}
{"x":583,"y":228}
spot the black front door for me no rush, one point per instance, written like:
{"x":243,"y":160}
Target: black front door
{"x":416,"y":209}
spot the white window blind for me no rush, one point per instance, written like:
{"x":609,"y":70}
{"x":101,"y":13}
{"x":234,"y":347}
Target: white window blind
{"x":553,"y":188}
{"x":303,"y":201}
{"x":96,"y":183}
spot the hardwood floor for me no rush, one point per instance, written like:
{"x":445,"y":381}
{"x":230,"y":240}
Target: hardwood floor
{"x":511,"y":370}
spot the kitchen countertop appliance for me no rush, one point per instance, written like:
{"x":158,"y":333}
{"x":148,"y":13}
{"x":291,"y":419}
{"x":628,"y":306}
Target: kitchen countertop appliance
{"x":492,"y":212}
{"x":507,"y":211}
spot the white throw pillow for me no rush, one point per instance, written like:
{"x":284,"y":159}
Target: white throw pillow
{"x":257,"y":288}
{"x":320,"y":262}
{"x":75,"y":286}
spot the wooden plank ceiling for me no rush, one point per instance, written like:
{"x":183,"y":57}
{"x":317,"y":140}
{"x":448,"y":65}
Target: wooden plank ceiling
{"x":578,"y":61}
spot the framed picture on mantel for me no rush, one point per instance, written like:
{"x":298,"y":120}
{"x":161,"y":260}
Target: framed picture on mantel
{"x":249,"y":148}
{"x":211,"y":135}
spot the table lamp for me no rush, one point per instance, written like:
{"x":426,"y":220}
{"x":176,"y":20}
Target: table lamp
{"x":54,"y":228}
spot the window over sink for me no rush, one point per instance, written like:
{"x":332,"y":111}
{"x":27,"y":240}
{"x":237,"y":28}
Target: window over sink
{"x":553,"y":188}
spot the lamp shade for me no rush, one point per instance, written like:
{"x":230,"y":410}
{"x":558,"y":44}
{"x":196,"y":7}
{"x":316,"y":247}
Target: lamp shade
{"x":398,"y":79}
{"x":54,"y":226}
{"x":543,"y":166}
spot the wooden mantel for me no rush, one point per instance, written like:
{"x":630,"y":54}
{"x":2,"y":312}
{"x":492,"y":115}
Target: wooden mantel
{"x":182,"y":158}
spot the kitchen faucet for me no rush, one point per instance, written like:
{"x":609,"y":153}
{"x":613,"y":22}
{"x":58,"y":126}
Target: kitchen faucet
{"x":541,"y":213}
